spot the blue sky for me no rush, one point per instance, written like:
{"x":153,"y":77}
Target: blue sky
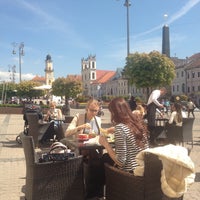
{"x":70,"y":30}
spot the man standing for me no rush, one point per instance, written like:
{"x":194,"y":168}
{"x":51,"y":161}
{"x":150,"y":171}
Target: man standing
{"x":152,"y":105}
{"x":190,"y":106}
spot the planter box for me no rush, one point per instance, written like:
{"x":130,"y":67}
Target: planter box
{"x":11,"y":110}
{"x":16,"y":110}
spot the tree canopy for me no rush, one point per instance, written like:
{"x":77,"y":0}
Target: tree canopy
{"x":149,"y":70}
{"x":67,"y":87}
{"x":25,"y":89}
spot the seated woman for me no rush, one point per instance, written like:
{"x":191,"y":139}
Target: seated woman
{"x":174,"y":125}
{"x":140,"y":111}
{"x":177,"y":115}
{"x":54,"y":115}
{"x":86,"y":122}
{"x":131,"y":136}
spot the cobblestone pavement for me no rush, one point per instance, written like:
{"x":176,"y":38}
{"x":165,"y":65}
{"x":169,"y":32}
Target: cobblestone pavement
{"x":12,"y":162}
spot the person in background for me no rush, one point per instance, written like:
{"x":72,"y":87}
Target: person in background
{"x":131,"y":136}
{"x":53,"y":112}
{"x":177,"y":115}
{"x":167,"y":106}
{"x":54,"y":115}
{"x":190,"y":107}
{"x":152,"y":105}
{"x":174,"y":125}
{"x":132,"y":103}
{"x":140,"y":111}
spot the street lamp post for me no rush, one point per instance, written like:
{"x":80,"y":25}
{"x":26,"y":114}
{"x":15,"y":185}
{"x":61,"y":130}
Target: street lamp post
{"x":128,"y":4}
{"x":21,"y":53}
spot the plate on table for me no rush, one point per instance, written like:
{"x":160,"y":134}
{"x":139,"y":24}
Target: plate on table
{"x":82,"y":140}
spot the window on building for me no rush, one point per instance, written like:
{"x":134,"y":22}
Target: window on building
{"x":183,"y":87}
{"x":198,"y":74}
{"x":173,"y":88}
{"x":177,"y":88}
{"x":188,"y":75}
{"x":188,"y":89}
{"x":193,"y":74}
{"x":93,"y":65}
{"x":182,"y":74}
{"x":93,"y":75}
{"x":199,"y":88}
{"x":193,"y":88}
{"x":177,"y":75}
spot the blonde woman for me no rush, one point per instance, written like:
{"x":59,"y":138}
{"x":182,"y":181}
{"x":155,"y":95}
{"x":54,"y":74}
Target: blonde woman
{"x":86,"y":122}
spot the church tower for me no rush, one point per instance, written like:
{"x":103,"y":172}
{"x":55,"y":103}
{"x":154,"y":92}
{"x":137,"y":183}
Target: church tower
{"x":49,"y":75}
{"x":88,"y":67}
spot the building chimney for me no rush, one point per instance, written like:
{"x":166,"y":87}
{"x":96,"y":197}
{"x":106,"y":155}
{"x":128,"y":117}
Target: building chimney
{"x":165,"y":41}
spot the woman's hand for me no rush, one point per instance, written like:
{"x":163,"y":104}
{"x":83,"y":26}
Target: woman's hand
{"x":87,"y":126}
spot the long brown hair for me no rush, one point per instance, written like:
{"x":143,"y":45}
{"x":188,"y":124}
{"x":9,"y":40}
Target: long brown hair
{"x":121,"y":113}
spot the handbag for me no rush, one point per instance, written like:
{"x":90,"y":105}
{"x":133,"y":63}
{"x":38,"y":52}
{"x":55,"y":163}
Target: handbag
{"x":57,"y":152}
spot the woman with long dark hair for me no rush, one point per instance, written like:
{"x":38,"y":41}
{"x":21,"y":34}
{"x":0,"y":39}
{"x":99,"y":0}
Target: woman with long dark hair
{"x":131,"y":135}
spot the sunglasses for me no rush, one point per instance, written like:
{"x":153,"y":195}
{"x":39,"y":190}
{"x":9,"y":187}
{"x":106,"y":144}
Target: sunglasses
{"x":92,"y":110}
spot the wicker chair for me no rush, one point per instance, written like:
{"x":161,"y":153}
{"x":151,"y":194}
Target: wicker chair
{"x":181,"y":134}
{"x":52,"y":180}
{"x":188,"y":130}
{"x":36,"y":129}
{"x":121,"y":185}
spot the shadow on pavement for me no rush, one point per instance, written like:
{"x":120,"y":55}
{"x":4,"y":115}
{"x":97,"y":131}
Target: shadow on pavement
{"x":11,"y":144}
{"x":197,"y":178}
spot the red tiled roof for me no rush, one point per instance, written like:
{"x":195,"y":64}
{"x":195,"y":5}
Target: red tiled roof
{"x":40,"y":79}
{"x":194,"y":61}
{"x":103,"y":76}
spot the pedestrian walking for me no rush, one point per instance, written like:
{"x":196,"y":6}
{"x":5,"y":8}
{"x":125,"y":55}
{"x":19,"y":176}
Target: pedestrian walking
{"x":190,"y":107}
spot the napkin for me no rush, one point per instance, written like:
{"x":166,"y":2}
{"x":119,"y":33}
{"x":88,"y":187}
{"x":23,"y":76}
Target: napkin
{"x":94,"y":140}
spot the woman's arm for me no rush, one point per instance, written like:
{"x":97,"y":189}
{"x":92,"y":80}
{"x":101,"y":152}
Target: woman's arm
{"x":103,"y":141}
{"x":74,"y":128}
{"x":171,"y":118}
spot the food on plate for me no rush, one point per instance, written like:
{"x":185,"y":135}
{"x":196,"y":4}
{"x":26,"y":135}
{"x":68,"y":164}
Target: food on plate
{"x":82,"y":136}
{"x":92,"y":135}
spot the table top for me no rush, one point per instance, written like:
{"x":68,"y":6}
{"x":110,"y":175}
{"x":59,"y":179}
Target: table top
{"x":81,"y":145}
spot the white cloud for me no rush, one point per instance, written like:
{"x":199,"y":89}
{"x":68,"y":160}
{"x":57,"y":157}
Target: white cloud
{"x":7,"y":76}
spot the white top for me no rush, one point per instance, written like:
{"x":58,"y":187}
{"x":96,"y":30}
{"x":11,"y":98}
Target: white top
{"x":173,"y":118}
{"x":154,"y":98}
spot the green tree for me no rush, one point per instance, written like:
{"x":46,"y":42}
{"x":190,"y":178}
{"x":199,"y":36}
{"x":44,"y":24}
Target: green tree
{"x":149,"y":70}
{"x":25,"y":89}
{"x":67,"y":87}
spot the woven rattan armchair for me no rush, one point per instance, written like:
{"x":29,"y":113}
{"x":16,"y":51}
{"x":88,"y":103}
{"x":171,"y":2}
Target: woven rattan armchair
{"x":36,"y":129}
{"x":52,"y":180}
{"x":121,"y":185}
{"x":181,"y":134}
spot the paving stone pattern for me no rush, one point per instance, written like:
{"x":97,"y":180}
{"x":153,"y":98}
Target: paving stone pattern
{"x":12,"y":161}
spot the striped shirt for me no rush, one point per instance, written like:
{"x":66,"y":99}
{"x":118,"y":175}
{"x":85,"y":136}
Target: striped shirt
{"x":125,"y":147}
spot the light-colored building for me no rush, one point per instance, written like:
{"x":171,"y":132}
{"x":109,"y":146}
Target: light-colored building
{"x":98,"y":83}
{"x":187,"y":80}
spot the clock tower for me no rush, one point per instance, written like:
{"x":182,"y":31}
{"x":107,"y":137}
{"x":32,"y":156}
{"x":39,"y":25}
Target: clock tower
{"x":49,"y":75}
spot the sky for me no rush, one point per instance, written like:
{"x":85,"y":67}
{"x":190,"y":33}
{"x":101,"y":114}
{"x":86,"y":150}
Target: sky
{"x":70,"y":30}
